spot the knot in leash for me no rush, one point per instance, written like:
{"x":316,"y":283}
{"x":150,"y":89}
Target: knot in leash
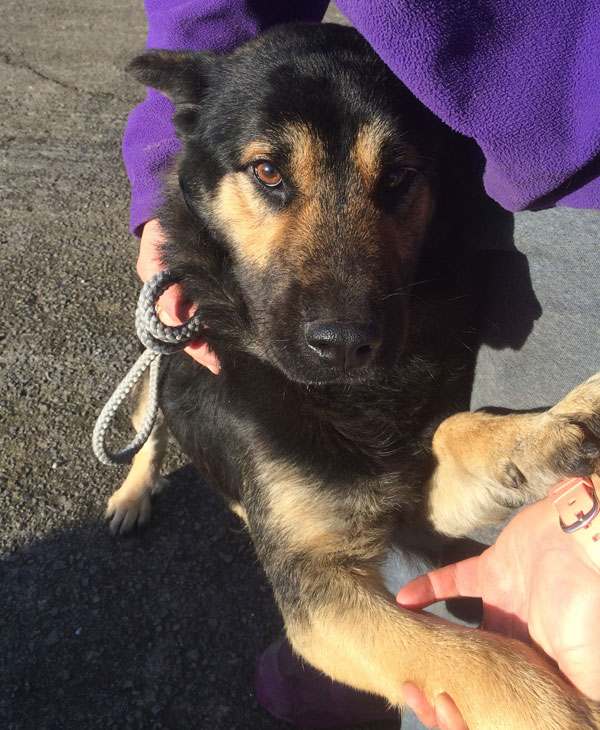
{"x":158,"y":339}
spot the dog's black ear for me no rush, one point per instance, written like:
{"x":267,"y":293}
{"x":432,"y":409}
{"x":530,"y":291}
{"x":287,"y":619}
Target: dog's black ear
{"x":182,"y":76}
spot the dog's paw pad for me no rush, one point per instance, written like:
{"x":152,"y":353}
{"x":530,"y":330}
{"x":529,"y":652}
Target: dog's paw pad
{"x":125,"y":512}
{"x":512,"y":476}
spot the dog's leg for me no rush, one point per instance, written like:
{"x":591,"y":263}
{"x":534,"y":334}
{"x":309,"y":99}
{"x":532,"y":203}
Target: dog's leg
{"x":487,"y":464}
{"x":356,"y":635}
{"x":130,"y":504}
{"x":323,"y":554}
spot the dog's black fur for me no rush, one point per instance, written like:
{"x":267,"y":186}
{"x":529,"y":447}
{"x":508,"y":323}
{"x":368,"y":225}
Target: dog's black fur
{"x":363,"y":432}
{"x":391,"y":252}
{"x":326,"y":226}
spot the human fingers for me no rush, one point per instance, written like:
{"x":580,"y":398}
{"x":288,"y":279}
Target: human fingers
{"x":172,"y":307}
{"x":447,"y":713}
{"x":173,"y":311}
{"x":444,"y":715}
{"x":419,"y":704}
{"x":451,"y":581}
{"x":202,"y":354}
{"x":149,"y":259}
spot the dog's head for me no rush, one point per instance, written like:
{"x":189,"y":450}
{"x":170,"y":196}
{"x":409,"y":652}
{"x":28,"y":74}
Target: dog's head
{"x":310,"y":167}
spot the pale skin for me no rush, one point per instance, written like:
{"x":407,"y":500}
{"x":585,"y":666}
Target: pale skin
{"x":537,"y":584}
{"x":173,"y":309}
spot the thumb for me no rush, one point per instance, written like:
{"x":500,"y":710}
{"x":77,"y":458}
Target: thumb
{"x":451,"y":581}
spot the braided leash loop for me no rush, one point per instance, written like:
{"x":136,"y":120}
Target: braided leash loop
{"x":159,"y":339}
{"x":153,"y":334}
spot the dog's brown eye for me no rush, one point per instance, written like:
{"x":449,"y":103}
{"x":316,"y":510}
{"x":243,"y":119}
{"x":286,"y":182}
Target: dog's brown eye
{"x":394,"y":178}
{"x":267,"y":174}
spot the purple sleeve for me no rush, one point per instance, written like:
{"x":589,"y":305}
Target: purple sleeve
{"x":521,"y":78}
{"x":149,"y":142}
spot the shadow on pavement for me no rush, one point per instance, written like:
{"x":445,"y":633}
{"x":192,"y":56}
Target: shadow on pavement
{"x":138,"y":632}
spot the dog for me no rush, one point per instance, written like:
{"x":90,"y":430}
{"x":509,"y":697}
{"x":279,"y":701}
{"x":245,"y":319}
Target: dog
{"x":316,"y":216}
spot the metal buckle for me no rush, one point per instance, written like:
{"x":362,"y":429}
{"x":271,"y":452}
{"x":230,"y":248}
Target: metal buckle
{"x":583,"y":520}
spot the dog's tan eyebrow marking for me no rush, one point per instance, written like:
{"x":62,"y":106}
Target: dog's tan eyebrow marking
{"x":256,"y":150}
{"x":367,"y":151}
{"x":306,"y":152}
{"x":307,"y":157}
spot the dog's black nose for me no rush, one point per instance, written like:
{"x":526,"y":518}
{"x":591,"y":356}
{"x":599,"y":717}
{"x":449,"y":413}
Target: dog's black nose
{"x":344,"y":345}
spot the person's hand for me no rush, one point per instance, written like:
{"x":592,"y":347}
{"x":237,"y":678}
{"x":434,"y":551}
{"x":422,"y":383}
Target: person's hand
{"x":537,"y":584}
{"x":172,"y":307}
{"x":443,"y":714}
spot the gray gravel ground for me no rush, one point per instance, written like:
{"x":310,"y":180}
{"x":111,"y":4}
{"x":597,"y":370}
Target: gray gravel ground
{"x":161,"y":630}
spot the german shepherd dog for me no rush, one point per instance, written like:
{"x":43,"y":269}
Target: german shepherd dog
{"x":316,"y":217}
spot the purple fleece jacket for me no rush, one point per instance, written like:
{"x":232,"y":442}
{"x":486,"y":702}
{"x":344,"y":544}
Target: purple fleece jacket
{"x":522,"y":78}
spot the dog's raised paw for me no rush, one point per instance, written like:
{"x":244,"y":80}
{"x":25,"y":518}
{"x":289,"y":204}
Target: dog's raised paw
{"x":566,"y":442}
{"x":580,"y":413}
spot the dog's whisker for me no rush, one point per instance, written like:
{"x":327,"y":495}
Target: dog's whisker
{"x":401,"y":289}
{"x":464,"y":344}
{"x":454,"y":299}
{"x":395,"y":294}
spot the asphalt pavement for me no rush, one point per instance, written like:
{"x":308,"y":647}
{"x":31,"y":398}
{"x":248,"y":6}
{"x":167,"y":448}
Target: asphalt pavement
{"x":162,"y":629}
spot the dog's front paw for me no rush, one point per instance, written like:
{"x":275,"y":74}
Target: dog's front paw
{"x":126,"y":510}
{"x":565,"y":443}
{"x":130,"y":506}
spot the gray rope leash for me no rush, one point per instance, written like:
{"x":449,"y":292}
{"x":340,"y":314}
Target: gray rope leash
{"x":159,"y":339}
